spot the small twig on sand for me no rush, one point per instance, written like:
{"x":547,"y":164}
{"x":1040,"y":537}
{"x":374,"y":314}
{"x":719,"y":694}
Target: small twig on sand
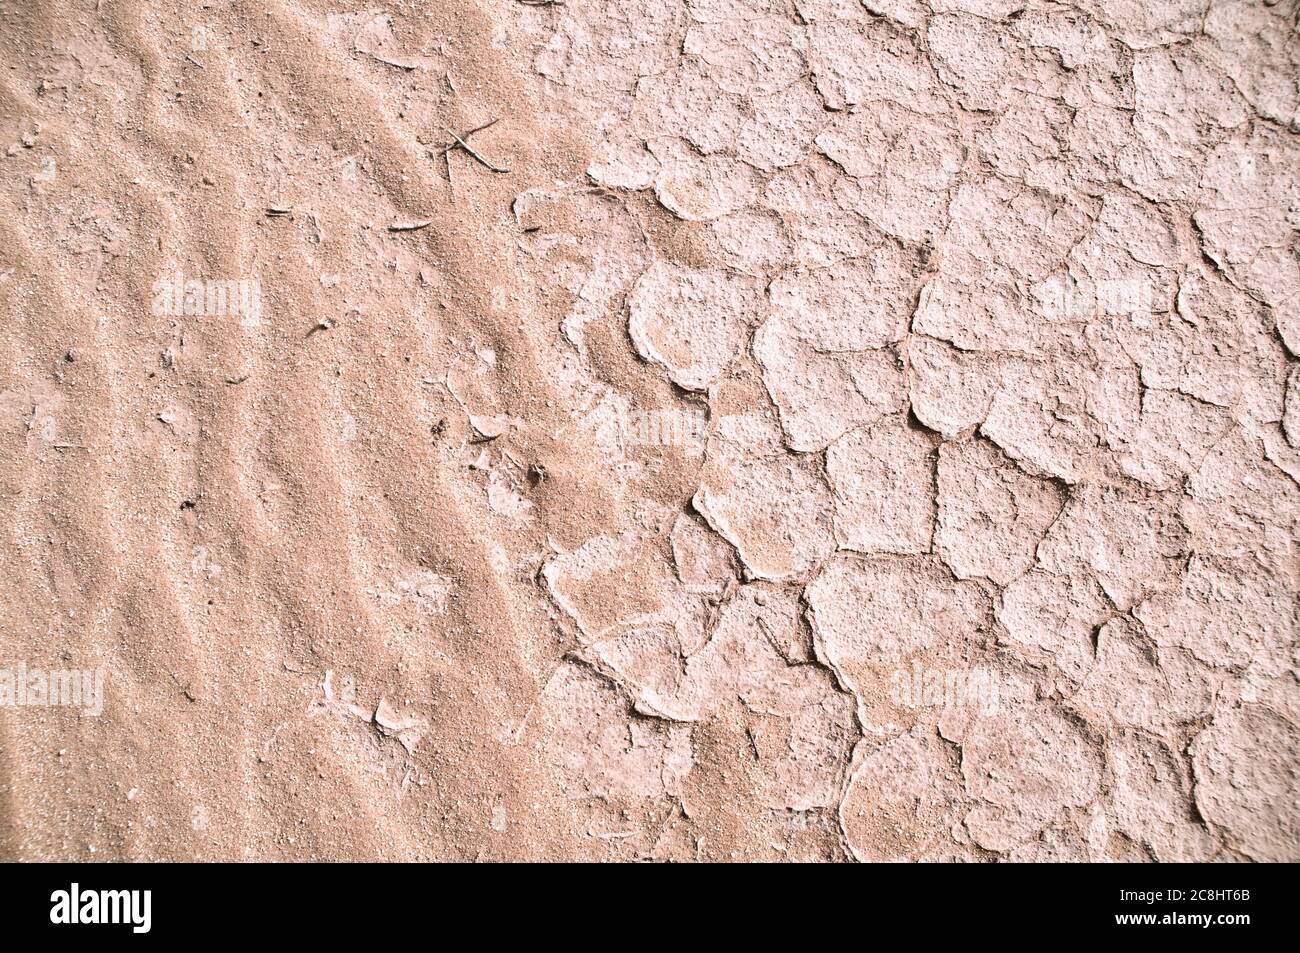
{"x":400,"y":65}
{"x":487,"y":125}
{"x":466,"y":146}
{"x":542,"y":3}
{"x":409,"y":226}
{"x":469,"y":132}
{"x":460,"y":143}
{"x":194,"y":61}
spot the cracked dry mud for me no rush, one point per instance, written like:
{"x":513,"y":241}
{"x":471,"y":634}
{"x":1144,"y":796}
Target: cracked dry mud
{"x":849,"y":430}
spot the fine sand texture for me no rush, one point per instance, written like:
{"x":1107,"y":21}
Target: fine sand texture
{"x":718,"y":430}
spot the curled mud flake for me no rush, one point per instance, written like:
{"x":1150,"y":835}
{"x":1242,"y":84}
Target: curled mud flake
{"x":949,"y":389}
{"x":589,"y":245}
{"x":903,"y":800}
{"x":737,"y":659}
{"x":571,"y":576}
{"x":741,"y":663}
{"x":978,"y":58}
{"x":1174,"y":435}
{"x":1133,"y":543}
{"x":376,"y":39}
{"x":1240,"y":504}
{"x":883,"y":481}
{"x":1140,"y":25}
{"x":1028,"y":765}
{"x":703,"y":558}
{"x":601,"y":49}
{"x":819,"y":348}
{"x":1057,"y":614}
{"x":1218,"y":347}
{"x":1151,"y":799}
{"x":821,"y":396}
{"x":905,"y":161}
{"x":623,"y":161}
{"x":407,"y":728}
{"x":781,"y":127}
{"x":686,"y":102}
{"x":1255,"y":43}
{"x":1248,"y":782}
{"x":649,"y":662}
{"x":1027,"y":140}
{"x":339,"y":700}
{"x":616,"y":582}
{"x":751,"y":57}
{"x":1227,"y":613}
{"x":872,"y":616}
{"x":1040,"y":417}
{"x":505,"y":496}
{"x":600,"y":747}
{"x":992,"y":515}
{"x":777,"y":512}
{"x":818,"y":203}
{"x":755,"y":242}
{"x":700,"y":188}
{"x":1136,"y":684}
{"x":692,"y":322}
{"x":867,"y":62}
{"x":1182,"y":100}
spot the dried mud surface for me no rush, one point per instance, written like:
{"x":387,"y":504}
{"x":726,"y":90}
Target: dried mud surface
{"x":847,"y":430}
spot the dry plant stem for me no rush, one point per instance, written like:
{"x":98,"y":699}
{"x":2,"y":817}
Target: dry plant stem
{"x":462,"y":144}
{"x":466,"y":146}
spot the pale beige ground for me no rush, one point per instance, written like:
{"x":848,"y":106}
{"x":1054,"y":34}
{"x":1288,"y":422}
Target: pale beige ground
{"x":847,"y":430}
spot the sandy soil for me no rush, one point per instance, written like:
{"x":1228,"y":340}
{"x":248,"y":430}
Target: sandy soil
{"x":791,"y":430}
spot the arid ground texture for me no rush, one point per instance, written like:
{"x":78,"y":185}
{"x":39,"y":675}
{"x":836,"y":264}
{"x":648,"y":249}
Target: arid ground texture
{"x":700,"y":430}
